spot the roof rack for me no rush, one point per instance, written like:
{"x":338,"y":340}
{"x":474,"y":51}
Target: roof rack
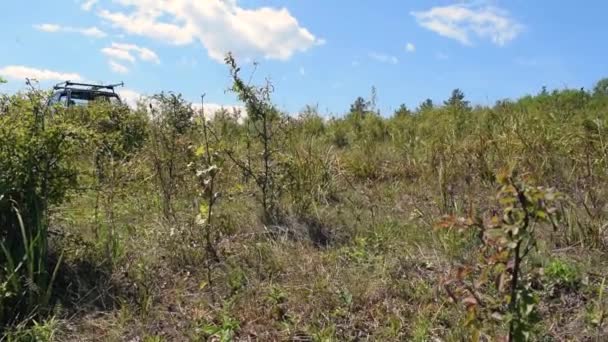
{"x":68,"y":84}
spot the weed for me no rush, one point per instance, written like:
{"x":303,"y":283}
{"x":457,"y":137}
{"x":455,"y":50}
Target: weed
{"x":562,"y":273}
{"x":225,"y":329}
{"x":45,"y":331}
{"x":597,"y":312}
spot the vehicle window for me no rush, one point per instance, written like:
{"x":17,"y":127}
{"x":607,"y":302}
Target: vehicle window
{"x":80,"y":98}
{"x":63,"y":99}
{"x":83,"y":98}
{"x":107,"y":98}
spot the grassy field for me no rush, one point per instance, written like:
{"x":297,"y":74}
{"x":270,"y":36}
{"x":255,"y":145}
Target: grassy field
{"x":409,"y":226}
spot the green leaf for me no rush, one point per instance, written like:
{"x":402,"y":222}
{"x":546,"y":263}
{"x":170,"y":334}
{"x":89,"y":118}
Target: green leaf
{"x":203,"y":209}
{"x":200,"y":151}
{"x":210,"y":329}
{"x":541,"y":214}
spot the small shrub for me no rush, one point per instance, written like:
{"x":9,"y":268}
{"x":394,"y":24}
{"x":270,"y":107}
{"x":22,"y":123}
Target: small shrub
{"x":500,"y":287}
{"x":224,"y":330}
{"x":45,"y":331}
{"x":561,"y":273}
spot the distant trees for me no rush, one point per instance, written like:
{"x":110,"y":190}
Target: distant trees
{"x":459,"y":110}
{"x":402,"y":111}
{"x":601,"y":87}
{"x":360,"y":106}
{"x":457,"y":100}
{"x":426,"y":105}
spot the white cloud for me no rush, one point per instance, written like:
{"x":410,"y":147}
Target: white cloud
{"x":88,"y":4}
{"x":461,"y":21}
{"x":146,"y":25}
{"x":48,"y":27}
{"x":211,"y":109}
{"x":20,"y":72}
{"x":116,"y":53}
{"x":409,"y":47}
{"x":129,"y":97}
{"x":123,"y":52}
{"x":219,"y":25}
{"x":117,"y":67}
{"x":132,"y":97}
{"x":92,"y":32}
{"x":383,"y":58}
{"x":145,"y":54}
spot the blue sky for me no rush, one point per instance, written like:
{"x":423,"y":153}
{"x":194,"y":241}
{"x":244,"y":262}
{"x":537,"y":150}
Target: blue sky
{"x":316,"y":52}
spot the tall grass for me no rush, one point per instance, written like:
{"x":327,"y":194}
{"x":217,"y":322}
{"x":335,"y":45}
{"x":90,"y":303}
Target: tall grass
{"x":27,"y":282}
{"x":34,"y":147}
{"x":337,"y":213}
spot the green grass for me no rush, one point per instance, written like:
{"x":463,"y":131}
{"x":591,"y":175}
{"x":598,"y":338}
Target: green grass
{"x":353,"y":253}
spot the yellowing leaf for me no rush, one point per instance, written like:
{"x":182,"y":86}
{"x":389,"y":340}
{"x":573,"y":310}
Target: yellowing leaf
{"x":200,"y":151}
{"x":203,"y":209}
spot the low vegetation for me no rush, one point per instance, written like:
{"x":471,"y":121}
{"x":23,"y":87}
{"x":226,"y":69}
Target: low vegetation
{"x":447,"y":222}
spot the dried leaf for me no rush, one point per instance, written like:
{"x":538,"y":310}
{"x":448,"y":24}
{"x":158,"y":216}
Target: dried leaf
{"x":470,"y":301}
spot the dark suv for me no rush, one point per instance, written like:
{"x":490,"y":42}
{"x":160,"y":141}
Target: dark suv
{"x":80,"y":94}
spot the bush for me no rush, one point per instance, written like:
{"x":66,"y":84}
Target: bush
{"x":35,"y":172}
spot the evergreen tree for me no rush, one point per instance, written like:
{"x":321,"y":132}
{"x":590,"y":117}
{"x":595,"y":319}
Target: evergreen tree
{"x":426,"y":105}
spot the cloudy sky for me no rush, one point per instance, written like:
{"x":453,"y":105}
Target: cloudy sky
{"x":314,"y":51}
